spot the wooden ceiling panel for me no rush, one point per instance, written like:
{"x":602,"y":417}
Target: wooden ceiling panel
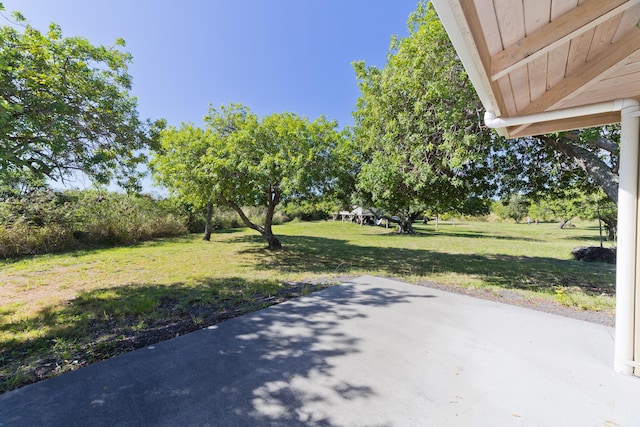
{"x":543,"y":55}
{"x":629,"y":19}
{"x":600,"y":89}
{"x":565,"y":28}
{"x":618,"y":88}
{"x":603,"y":35}
{"x":588,"y":74}
{"x":510,"y":16}
{"x":557,"y":64}
{"x":631,"y":81}
{"x":537,"y":76}
{"x":632,"y":67}
{"x":565,"y":124}
{"x":520,"y":88}
{"x":579,"y":51}
{"x":560,"y":7}
{"x":487,"y":16}
{"x":537,"y":14}
{"x":504,"y":84}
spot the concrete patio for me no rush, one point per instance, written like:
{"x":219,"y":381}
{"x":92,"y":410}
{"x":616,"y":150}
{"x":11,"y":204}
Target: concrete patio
{"x":372,"y":352}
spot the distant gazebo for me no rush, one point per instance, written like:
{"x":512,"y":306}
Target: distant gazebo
{"x":358,"y":214}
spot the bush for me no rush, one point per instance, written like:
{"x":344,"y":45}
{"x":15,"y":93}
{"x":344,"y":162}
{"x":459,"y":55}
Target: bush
{"x":45,"y":221}
{"x":308,"y":211}
{"x":23,"y":239}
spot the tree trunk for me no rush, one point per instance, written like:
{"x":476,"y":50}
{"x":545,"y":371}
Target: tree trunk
{"x":266,"y":231}
{"x":274,"y":198}
{"x":405,"y":227}
{"x":610,"y":226}
{"x":273,"y":241}
{"x":207,"y":222}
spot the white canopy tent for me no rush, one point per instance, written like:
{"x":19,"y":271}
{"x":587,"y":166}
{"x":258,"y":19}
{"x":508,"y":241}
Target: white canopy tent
{"x":542,"y":66}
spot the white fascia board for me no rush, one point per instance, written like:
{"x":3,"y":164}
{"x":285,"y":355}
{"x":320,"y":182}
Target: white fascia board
{"x":455,"y":23}
{"x":625,"y":104}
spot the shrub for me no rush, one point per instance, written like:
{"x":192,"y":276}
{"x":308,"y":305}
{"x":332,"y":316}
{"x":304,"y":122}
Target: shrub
{"x":45,"y":221}
{"x":310,"y":211}
{"x":21,"y":239}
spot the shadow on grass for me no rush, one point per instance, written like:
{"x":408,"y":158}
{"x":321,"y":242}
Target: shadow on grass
{"x":105,"y":322}
{"x":589,"y":238}
{"x":319,"y":255}
{"x":475,"y":235}
{"x":458,"y":231}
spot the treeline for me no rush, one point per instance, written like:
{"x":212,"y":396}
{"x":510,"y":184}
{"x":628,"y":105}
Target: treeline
{"x":574,"y":204}
{"x":44,"y":221}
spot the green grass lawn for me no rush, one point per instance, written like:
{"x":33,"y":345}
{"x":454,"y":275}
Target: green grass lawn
{"x":58,"y":312}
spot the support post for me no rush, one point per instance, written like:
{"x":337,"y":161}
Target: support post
{"x":627,"y":251}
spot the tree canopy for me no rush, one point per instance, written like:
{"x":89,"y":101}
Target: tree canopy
{"x":418,"y":123}
{"x":66,"y":107}
{"x":548,"y":165}
{"x":238,"y":160}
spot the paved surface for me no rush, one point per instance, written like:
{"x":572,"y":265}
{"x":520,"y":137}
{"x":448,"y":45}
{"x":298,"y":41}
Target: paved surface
{"x":371,"y":352}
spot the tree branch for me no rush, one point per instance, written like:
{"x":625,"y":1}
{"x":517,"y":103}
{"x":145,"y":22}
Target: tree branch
{"x":589,"y":162}
{"x":233,"y":205}
{"x":602,"y":142}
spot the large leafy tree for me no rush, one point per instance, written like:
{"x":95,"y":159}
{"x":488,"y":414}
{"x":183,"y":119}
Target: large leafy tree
{"x":549,"y":165}
{"x":417,"y":121}
{"x":239,"y":160}
{"x":66,"y":107}
{"x":564,"y":166}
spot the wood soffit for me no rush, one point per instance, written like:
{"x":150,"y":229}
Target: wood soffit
{"x":543,"y":55}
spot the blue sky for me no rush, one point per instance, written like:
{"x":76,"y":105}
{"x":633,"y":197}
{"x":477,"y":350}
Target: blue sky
{"x":270,"y":55}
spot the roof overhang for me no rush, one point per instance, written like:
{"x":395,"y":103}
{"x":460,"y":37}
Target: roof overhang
{"x":562,"y":62}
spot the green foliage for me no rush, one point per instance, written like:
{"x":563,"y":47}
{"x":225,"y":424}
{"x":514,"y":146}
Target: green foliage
{"x":548,"y":166}
{"x":65,"y":107}
{"x":226,"y":218}
{"x":539,"y":210}
{"x":45,"y":221}
{"x":417,"y":122}
{"x":239,"y":161}
{"x":115,"y":219}
{"x":19,"y":182}
{"x":516,"y":208}
{"x":578,"y":204}
{"x":312,"y":210}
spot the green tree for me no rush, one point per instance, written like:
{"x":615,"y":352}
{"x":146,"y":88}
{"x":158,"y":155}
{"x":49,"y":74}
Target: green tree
{"x":66,"y":107}
{"x":586,"y":205}
{"x":19,"y":182}
{"x":516,"y":208}
{"x":548,"y":165}
{"x":239,"y":160}
{"x":417,"y":122}
{"x":605,"y":211}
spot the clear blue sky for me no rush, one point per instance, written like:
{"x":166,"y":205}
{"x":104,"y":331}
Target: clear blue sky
{"x":270,"y":55}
